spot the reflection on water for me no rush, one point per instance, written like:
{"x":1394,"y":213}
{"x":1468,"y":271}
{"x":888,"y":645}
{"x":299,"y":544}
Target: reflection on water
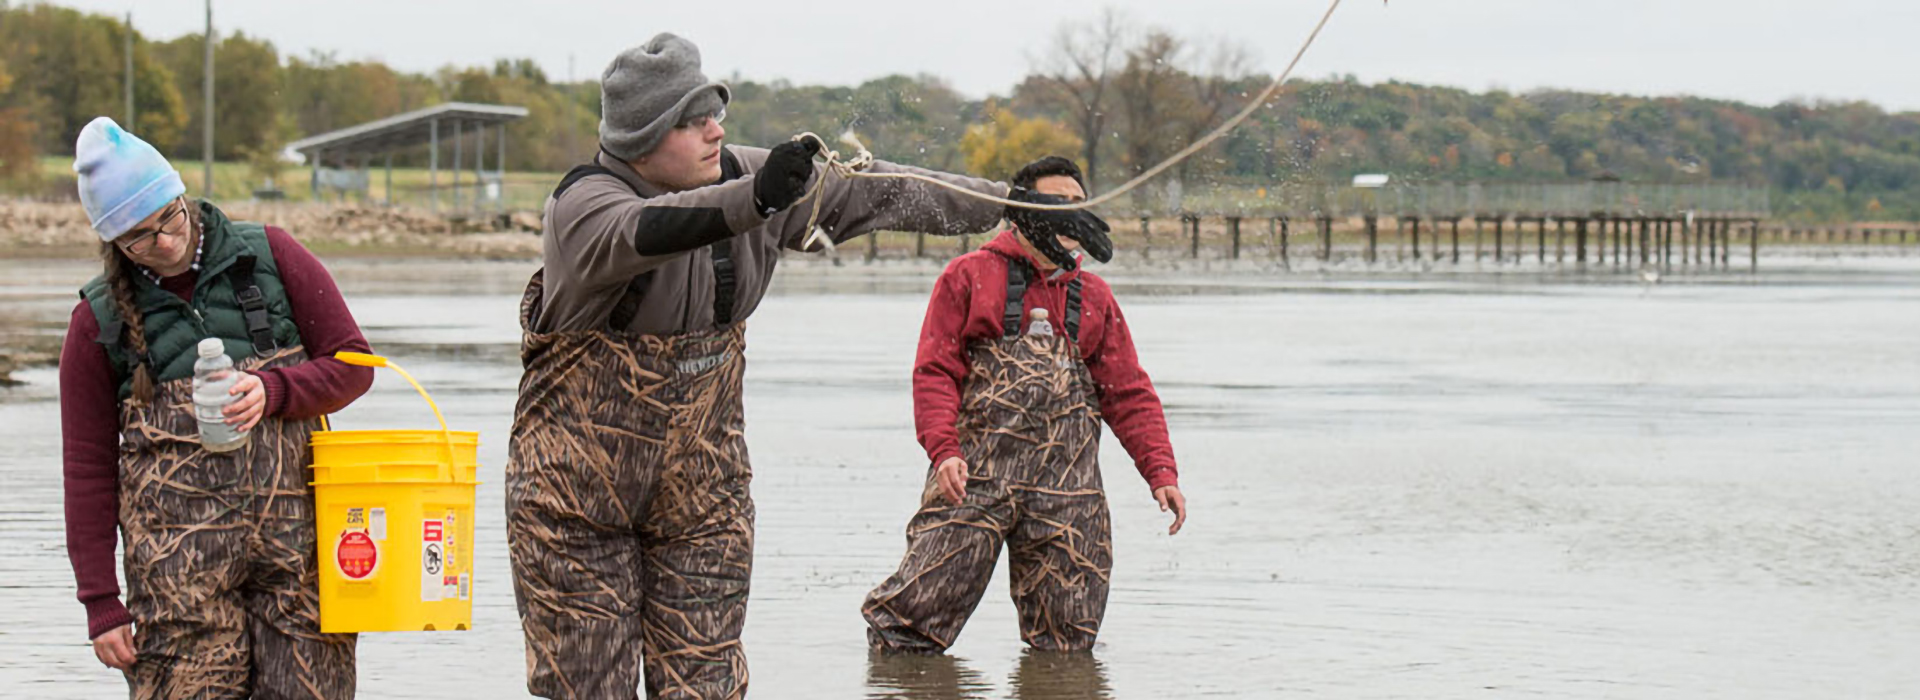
{"x":1060,"y":675}
{"x":922,"y":677}
{"x":1041,"y":675}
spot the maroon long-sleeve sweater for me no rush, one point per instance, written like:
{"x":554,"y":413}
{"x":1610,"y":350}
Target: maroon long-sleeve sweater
{"x":90,"y":412}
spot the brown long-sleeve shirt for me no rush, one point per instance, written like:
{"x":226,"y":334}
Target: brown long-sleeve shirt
{"x":599,"y":235}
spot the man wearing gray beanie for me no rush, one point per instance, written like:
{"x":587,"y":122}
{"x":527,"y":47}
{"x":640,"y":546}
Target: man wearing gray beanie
{"x":629,"y":519}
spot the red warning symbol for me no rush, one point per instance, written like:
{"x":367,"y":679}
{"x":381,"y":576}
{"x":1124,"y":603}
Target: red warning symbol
{"x":356,"y":555}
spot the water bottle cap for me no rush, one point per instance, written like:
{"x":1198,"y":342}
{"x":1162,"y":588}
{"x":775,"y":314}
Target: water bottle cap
{"x":1039,"y":314}
{"x":211,"y":348}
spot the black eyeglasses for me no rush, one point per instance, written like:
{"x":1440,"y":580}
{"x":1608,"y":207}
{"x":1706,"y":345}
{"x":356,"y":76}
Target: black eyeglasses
{"x":139,"y":242}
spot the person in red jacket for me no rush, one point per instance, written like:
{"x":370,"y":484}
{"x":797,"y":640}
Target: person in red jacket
{"x":1022,"y":354}
{"x":220,"y":553}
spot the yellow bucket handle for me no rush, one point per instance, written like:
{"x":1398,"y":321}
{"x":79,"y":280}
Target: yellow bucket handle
{"x":360,"y":359}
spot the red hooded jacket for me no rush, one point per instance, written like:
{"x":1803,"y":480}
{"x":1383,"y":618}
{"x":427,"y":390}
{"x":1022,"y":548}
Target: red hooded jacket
{"x":967,"y":304}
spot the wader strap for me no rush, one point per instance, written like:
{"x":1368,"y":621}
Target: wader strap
{"x":726,"y":283}
{"x":1016,"y":297}
{"x":253,"y":305}
{"x":1073,"y":309}
{"x":629,"y":303}
{"x":581,"y":171}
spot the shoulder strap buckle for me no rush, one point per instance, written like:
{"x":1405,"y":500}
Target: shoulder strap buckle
{"x":253,"y":305}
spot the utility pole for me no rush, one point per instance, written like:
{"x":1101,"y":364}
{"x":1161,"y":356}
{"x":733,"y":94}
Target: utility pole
{"x":567,"y":114}
{"x":206,"y":113}
{"x":129,"y":30}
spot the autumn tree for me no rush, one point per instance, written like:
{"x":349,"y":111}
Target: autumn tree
{"x":998,"y":148}
{"x":246,"y":87}
{"x":1076,"y":78}
{"x":17,"y":162}
{"x":1153,"y":97}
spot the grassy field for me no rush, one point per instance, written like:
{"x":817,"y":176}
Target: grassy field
{"x":232,"y":181}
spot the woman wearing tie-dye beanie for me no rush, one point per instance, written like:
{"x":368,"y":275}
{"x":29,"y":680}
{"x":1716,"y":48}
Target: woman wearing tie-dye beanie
{"x":221,"y":560}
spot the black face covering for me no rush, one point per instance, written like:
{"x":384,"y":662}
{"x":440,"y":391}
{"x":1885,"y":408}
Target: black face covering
{"x":1050,"y":247}
{"x":1043,"y":227}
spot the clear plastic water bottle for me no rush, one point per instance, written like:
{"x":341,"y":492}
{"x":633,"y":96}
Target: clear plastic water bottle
{"x":1039,"y":326}
{"x":213,"y":377}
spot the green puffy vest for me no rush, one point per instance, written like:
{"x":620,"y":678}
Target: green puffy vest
{"x":175,"y":326}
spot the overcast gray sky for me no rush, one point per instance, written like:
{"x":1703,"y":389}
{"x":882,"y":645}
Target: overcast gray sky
{"x":1752,"y":50}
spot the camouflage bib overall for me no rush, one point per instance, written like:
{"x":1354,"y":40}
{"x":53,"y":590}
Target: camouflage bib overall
{"x":628,"y":514}
{"x":221,"y":560}
{"x":1030,"y":434}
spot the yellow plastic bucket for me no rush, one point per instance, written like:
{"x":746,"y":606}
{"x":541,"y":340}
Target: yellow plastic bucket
{"x":394,"y":510}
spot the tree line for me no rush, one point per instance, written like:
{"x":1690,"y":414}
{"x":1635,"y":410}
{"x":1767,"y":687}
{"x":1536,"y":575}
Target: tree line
{"x":1117,"y":95}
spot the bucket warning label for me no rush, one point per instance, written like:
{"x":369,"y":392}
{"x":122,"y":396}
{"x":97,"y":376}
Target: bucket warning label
{"x":356,"y":555}
{"x":432,"y":560}
{"x":450,"y":580}
{"x":377,"y":522}
{"x":451,"y":532}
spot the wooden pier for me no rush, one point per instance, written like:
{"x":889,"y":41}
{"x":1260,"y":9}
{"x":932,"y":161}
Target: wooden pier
{"x":1599,"y":226}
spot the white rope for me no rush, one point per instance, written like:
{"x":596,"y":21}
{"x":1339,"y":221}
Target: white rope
{"x":863,"y":159}
{"x":851,"y":168}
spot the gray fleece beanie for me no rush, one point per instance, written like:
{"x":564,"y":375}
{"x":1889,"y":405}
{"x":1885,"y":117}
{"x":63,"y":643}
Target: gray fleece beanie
{"x":649,"y":88}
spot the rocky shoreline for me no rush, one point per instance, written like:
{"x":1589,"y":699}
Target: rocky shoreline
{"x":30,"y":229}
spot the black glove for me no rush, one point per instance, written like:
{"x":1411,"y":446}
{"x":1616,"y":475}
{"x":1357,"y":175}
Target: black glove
{"x":782,"y":180}
{"x":1043,"y":226}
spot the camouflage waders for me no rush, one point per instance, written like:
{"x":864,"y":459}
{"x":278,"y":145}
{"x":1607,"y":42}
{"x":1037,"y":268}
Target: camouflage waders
{"x":1030,"y":434}
{"x":628,"y":514}
{"x":221,"y":560}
